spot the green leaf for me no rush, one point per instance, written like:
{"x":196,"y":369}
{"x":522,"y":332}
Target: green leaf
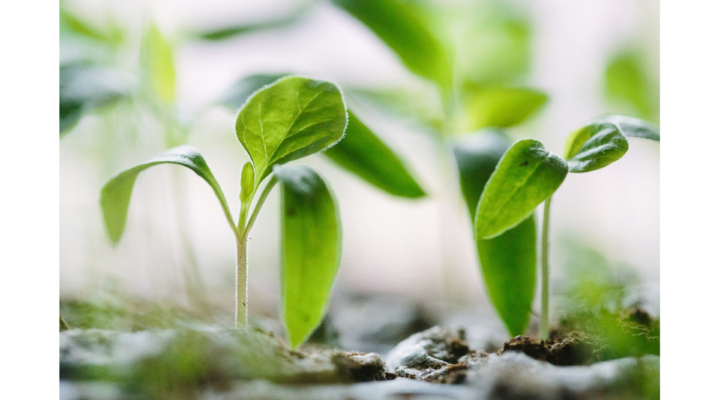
{"x":508,"y":261}
{"x":365,"y":155}
{"x":604,"y":141}
{"x":627,"y":81}
{"x":400,"y":27}
{"x":86,"y":87}
{"x":594,"y":146}
{"x":292,"y":118}
{"x":243,"y":28}
{"x":477,"y":155}
{"x":159,"y":65}
{"x":501,"y":107}
{"x":311,"y":240}
{"x":526,"y":176}
{"x":241,"y":91}
{"x":633,"y":127}
{"x":75,"y":25}
{"x":247,"y":182}
{"x":115,"y":195}
{"x":508,"y":264}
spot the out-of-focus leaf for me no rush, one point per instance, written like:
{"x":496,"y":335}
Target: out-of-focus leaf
{"x":603,"y":142}
{"x":628,"y":82}
{"x":365,"y":155}
{"x":85,"y":87}
{"x":240,"y":92}
{"x":311,"y":240}
{"x":492,"y":41}
{"x":419,"y":104}
{"x":398,"y":25}
{"x":240,"y":29}
{"x":292,"y":118}
{"x":477,"y":155}
{"x":508,"y":261}
{"x":115,"y":195}
{"x":526,"y":176}
{"x":74,"y":25}
{"x":159,"y":65}
{"x":501,"y":107}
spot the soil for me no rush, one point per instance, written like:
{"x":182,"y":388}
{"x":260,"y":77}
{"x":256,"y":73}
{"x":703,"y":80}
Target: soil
{"x":590,"y":354}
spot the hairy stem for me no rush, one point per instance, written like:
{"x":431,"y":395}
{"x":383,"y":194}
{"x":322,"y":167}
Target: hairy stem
{"x":545,"y":272}
{"x":241,"y":283}
{"x":241,"y":274}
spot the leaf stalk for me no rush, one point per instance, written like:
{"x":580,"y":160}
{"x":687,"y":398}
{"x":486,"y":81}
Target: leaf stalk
{"x":545,"y":272}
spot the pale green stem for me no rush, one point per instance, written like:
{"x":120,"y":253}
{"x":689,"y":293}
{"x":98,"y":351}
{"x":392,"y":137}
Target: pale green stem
{"x":241,"y":283}
{"x":241,"y":275}
{"x":545,"y":272}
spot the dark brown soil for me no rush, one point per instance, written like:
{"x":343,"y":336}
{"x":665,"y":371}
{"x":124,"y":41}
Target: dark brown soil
{"x":589,"y":337}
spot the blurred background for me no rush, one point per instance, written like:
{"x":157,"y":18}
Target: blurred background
{"x":589,"y":58}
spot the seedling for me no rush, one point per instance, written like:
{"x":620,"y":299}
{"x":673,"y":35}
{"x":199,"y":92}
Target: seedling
{"x":528,"y":174}
{"x":292,"y":118}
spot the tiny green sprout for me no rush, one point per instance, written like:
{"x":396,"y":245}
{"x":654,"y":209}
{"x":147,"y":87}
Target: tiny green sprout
{"x":289,"y":119}
{"x":528,"y":174}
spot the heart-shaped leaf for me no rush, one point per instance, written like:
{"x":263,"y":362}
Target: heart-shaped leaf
{"x":604,"y":141}
{"x":526,"y":176}
{"x":400,"y":27}
{"x":311,"y":239}
{"x":115,"y":195}
{"x":292,"y":118}
{"x":365,"y":155}
{"x":501,"y":107}
{"x":508,"y":261}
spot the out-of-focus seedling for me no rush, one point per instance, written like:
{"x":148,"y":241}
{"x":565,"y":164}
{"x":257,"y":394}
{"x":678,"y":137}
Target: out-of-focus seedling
{"x":290,"y":119}
{"x":528,"y":174}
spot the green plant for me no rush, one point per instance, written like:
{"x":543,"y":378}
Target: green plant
{"x":528,"y":174}
{"x":471,"y":58}
{"x":287,"y":120}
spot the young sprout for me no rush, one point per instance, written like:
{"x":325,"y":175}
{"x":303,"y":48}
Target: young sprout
{"x":292,"y":118}
{"x":528,"y":175}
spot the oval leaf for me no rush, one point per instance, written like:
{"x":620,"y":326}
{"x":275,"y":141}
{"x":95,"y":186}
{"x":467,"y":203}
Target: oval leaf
{"x":501,"y":107}
{"x":365,"y":155}
{"x":311,"y":239}
{"x":526,"y":176}
{"x":508,"y":261}
{"x":400,"y":27}
{"x":292,"y":118}
{"x":594,"y":146}
{"x":604,"y":141}
{"x":115,"y":195}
